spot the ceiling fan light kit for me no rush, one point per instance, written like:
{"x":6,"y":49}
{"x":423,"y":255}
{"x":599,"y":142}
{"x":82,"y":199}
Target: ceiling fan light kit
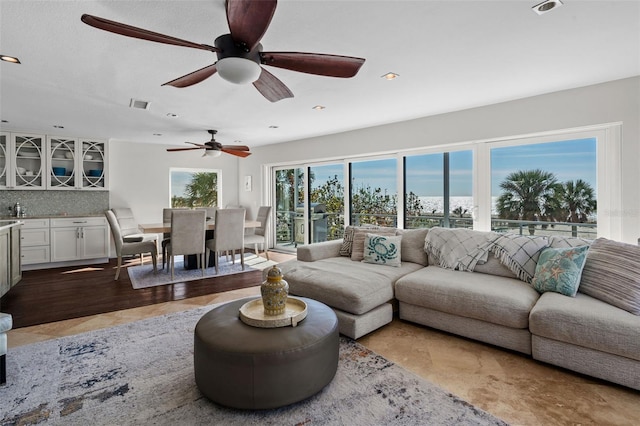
{"x":238,"y":70}
{"x":546,"y":6}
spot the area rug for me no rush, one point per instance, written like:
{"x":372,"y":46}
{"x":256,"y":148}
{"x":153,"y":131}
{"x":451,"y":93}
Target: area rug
{"x":142,"y":276}
{"x":142,"y":374}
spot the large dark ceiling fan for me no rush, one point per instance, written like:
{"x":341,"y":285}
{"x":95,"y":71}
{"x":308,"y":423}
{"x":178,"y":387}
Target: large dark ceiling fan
{"x":214,"y":149}
{"x":240,"y":52}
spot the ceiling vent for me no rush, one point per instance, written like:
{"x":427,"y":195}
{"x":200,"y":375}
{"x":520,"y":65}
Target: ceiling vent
{"x":136,"y":103}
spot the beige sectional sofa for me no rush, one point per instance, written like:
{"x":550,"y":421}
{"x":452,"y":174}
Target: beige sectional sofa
{"x":491,"y":304}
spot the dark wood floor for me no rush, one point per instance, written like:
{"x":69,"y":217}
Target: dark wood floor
{"x":63,"y":293}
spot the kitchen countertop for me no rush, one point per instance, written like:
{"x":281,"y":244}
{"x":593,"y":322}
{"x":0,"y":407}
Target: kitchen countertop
{"x":4,"y":224}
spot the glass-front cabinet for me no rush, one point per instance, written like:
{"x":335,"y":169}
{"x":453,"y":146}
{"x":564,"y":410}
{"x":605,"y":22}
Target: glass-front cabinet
{"x":76,"y":163}
{"x":4,"y":159}
{"x":30,"y":161}
{"x":22,"y":161}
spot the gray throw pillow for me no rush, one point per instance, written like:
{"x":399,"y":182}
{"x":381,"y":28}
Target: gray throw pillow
{"x":413,"y":245}
{"x":612,"y":274}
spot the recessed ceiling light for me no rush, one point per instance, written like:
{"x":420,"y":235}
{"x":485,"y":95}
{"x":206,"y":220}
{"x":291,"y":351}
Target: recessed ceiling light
{"x":172,"y":115}
{"x":273,"y":127}
{"x":546,"y":6}
{"x":390,"y":76}
{"x":57,"y":126}
{"x":11,"y":59}
{"x":157,"y":134}
{"x":5,"y":121}
{"x":318,"y":107}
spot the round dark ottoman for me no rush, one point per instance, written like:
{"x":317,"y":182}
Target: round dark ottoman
{"x":241,"y":366}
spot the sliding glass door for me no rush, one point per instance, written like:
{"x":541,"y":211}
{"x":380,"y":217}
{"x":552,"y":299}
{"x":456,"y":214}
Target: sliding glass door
{"x":289,"y":202}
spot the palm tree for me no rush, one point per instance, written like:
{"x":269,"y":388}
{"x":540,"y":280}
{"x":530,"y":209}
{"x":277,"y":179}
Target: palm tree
{"x":202,"y":191}
{"x":528,"y":195}
{"x":578,"y":201}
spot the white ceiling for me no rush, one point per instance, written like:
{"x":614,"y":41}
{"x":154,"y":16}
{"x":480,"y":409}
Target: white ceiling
{"x":450,"y":55}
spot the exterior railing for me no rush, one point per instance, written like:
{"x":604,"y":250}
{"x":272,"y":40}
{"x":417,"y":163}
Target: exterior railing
{"x":335,"y":225}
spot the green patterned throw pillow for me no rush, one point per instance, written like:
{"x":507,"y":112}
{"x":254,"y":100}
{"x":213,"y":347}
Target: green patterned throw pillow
{"x":382,"y":249}
{"x":559,"y":270}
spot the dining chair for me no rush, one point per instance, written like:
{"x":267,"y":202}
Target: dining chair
{"x":259,"y":233}
{"x":228,"y":236}
{"x":166,"y":237}
{"x":127,"y":248}
{"x":129,"y":226}
{"x":187,"y":236}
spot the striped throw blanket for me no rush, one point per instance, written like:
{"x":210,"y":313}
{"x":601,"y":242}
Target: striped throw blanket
{"x":463,"y":249}
{"x":459,"y":248}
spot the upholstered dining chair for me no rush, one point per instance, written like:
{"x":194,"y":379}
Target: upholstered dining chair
{"x":259,"y":233}
{"x":129,"y":226}
{"x":166,"y":237}
{"x":124,"y":248}
{"x":229,"y":235}
{"x":187,"y":236}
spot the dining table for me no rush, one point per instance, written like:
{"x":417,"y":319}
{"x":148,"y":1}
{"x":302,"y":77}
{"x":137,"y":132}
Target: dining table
{"x":159,"y":228}
{"x":189,"y":260}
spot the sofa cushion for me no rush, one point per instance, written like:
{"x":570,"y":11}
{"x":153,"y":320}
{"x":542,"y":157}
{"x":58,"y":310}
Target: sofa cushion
{"x":612,"y":274}
{"x":587,"y":322}
{"x":382,"y":250}
{"x":353,"y":287}
{"x":498,"y":300}
{"x":560,"y":269}
{"x":357,"y":247}
{"x":413,"y":245}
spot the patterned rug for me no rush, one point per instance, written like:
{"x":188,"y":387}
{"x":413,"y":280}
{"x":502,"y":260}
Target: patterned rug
{"x":142,"y":276}
{"x":142,"y":374}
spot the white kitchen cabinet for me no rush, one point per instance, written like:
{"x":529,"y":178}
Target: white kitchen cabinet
{"x":34,"y":241}
{"x":76,"y":163}
{"x":79,"y":238}
{"x":22,"y":161}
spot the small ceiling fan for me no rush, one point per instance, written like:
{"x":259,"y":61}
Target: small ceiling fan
{"x":215,"y":149}
{"x":240,"y":52}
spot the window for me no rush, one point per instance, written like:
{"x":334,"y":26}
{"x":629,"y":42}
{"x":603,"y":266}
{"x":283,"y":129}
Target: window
{"x":326,"y":194}
{"x":289,"y":194}
{"x":373,"y":192}
{"x":439,"y":190}
{"x":194,"y":187}
{"x":545,"y":188}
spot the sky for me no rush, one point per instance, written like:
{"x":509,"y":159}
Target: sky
{"x":568,"y":160}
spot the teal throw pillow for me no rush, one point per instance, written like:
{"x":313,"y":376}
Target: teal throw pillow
{"x":382,"y":249}
{"x":559,"y":270}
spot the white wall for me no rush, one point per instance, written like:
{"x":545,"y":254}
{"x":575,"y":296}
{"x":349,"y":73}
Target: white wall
{"x":617,"y":101}
{"x":139,"y":176}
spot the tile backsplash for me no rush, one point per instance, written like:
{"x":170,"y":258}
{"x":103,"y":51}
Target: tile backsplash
{"x":53,"y":203}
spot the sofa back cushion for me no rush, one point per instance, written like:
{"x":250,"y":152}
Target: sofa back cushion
{"x":413,"y":245}
{"x":612,"y":274}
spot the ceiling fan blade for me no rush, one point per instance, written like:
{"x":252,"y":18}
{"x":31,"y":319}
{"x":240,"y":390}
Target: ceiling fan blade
{"x":130,"y":31}
{"x":271,"y":88}
{"x":249,"y":19}
{"x":314,"y":63}
{"x":236,"y":147}
{"x":236,"y":153}
{"x":183,"y":149}
{"x":194,"y":77}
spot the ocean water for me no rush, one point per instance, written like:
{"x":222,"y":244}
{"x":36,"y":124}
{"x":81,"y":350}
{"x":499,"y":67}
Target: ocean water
{"x":436,"y":204}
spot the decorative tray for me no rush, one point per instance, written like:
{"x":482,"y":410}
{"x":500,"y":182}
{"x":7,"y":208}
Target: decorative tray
{"x":252,"y":313}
